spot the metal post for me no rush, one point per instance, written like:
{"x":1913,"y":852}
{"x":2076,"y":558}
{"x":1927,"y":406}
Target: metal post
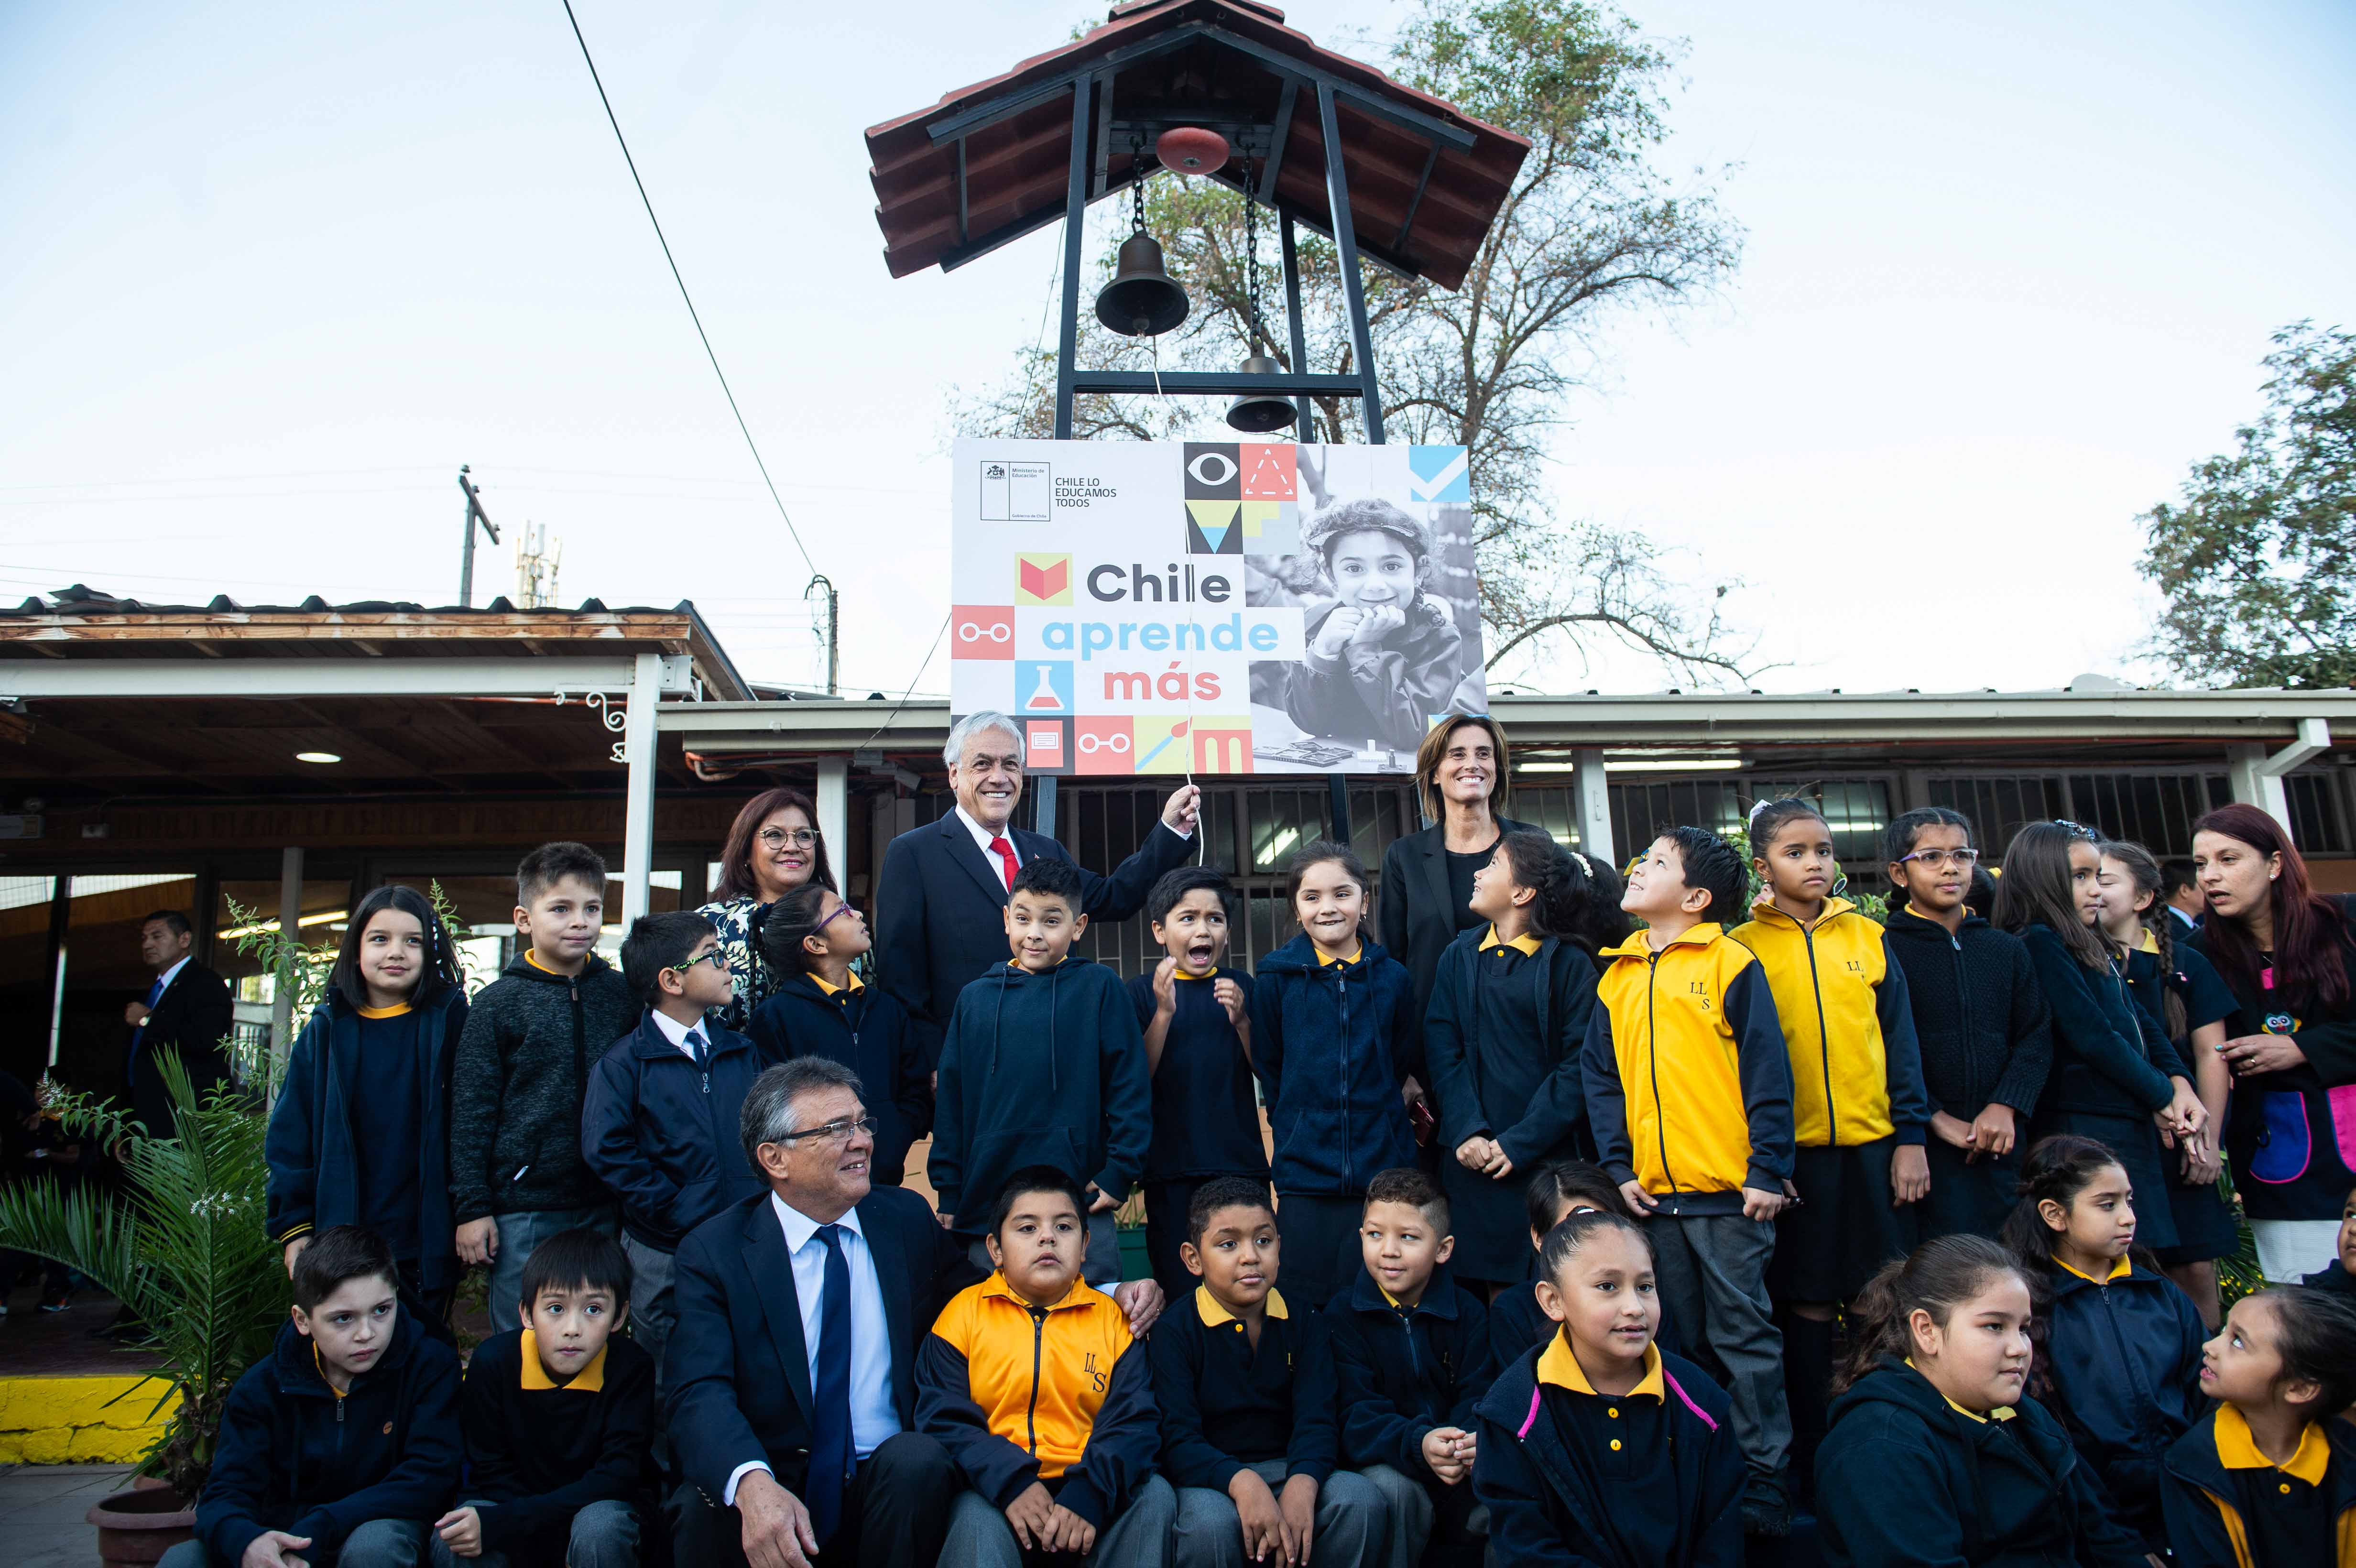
{"x":1075,"y":223}
{"x":833,"y":641}
{"x":1594,"y":807}
{"x":475,"y":514}
{"x":1345,"y":243}
{"x":1042,"y":805}
{"x":1304,"y":430}
{"x":638,"y":743}
{"x":834,"y":809}
{"x":1337,"y":790}
{"x":290,"y":928}
{"x":60,"y":925}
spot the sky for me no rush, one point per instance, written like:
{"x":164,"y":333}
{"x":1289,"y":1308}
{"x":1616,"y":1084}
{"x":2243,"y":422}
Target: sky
{"x":270,"y":273}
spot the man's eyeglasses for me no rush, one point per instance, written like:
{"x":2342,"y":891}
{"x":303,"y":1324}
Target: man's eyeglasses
{"x":719,"y":961}
{"x":777,"y":837}
{"x":838,"y":1131}
{"x":1940,"y":859}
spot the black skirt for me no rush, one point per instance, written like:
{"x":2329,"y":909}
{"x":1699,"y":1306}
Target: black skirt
{"x":2204,"y":1224}
{"x":1968,"y":1199}
{"x":1843,"y":1229}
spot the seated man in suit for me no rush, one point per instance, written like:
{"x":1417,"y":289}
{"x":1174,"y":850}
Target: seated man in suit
{"x":187,"y":1010}
{"x":943,"y":885}
{"x":791,"y":1364}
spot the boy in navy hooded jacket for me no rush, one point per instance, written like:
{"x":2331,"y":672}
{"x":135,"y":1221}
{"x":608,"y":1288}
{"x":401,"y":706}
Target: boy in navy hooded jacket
{"x":342,"y":1445}
{"x":1042,"y":1064}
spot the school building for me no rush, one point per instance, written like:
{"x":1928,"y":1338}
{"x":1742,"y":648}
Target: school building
{"x":265,"y":766}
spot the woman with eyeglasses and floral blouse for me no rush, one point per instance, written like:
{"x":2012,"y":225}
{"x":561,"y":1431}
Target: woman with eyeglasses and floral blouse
{"x":773,"y":848}
{"x":1979,"y":1016}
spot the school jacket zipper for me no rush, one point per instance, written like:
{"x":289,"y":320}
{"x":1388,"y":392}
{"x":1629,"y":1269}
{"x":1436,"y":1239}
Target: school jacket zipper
{"x":1824,"y":1044}
{"x":1653,"y":1067}
{"x":1038,"y":1345}
{"x":1342,"y":1059}
{"x":1964,"y":1007}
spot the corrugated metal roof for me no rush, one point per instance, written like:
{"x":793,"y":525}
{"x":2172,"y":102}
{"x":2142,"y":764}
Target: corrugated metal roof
{"x":1426,"y":180}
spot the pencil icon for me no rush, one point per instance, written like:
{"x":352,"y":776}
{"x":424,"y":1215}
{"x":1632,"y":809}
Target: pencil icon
{"x":1163,"y":744}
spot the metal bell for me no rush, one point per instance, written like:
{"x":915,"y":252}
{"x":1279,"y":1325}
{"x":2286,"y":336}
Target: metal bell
{"x":1258,"y":412}
{"x":1142,"y":300}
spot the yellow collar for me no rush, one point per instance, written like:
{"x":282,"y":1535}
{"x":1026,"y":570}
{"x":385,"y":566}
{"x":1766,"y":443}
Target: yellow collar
{"x":532,"y":958}
{"x":1527,"y":944}
{"x":1210,"y":974}
{"x":1017,"y":963}
{"x":2002,"y":1413}
{"x":2119,"y":1269}
{"x":588,"y":1379}
{"x":382,"y":1012}
{"x":822,"y":983}
{"x":1208,"y":1306}
{"x":321,"y":1362}
{"x":1559,"y":1366}
{"x":2237,"y":1450}
{"x":1324,"y":958}
{"x":1701,"y":935}
{"x":2149,"y":944}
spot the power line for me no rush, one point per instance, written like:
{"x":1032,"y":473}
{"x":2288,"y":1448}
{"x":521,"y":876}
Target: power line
{"x":649,"y":203}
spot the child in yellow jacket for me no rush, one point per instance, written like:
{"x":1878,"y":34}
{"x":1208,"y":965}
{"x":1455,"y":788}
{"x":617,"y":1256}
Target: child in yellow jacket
{"x":1033,"y":1383}
{"x":1860,"y":1111}
{"x":1689,"y":1092}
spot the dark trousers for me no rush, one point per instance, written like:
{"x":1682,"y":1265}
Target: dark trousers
{"x":429,"y":1307}
{"x":1319,"y":1237}
{"x":895,"y":1513}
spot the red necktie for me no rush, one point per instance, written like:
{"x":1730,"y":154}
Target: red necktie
{"x":1005,"y":853}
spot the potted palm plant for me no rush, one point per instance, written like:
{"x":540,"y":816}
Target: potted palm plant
{"x":188,"y":1252}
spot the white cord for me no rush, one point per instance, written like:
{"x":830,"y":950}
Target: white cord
{"x":1185,"y":540}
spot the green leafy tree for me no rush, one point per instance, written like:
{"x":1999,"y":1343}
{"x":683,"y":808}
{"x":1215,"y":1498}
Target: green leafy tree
{"x":2257,"y":559}
{"x":1592,"y":233}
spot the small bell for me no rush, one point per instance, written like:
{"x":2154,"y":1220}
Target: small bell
{"x":1142,"y":300}
{"x":1258,"y":412}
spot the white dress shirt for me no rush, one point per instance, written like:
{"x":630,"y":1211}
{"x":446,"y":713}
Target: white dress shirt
{"x":169,"y":975}
{"x":875,"y":1416}
{"x":677,"y":1032}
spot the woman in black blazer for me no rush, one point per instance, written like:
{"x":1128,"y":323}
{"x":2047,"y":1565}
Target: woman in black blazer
{"x":1462,"y":771}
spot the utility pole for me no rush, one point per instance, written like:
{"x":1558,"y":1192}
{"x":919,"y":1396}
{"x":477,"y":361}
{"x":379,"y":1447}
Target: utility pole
{"x":475,"y":514}
{"x":833,"y":645}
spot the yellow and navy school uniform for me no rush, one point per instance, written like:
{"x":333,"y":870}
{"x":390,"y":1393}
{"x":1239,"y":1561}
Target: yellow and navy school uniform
{"x":1654,"y":1476}
{"x":1058,"y":1394}
{"x":1226,"y":1403}
{"x":2205,"y":1226}
{"x":2124,"y":1352}
{"x":1501,"y":1037}
{"x":541,"y":1450}
{"x":2229,"y":1506}
{"x":1687,"y":1085}
{"x":1857,"y":1095}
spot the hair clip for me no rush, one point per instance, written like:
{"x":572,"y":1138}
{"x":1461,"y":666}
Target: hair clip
{"x":1756,"y":808}
{"x":1584,"y":864}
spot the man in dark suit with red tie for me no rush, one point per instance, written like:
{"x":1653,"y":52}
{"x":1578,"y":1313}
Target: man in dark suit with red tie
{"x":943,"y":885}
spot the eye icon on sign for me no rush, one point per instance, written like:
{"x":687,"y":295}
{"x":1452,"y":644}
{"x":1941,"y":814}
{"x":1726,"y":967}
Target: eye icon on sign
{"x":1212,"y":468}
{"x":982,"y":632}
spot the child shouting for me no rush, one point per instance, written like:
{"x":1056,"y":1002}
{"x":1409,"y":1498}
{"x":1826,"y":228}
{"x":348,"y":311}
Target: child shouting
{"x":1246,"y":1389}
{"x":1197,"y":1022}
{"x":1033,"y":1383}
{"x":1598,"y":1448}
{"x":1689,"y":1090}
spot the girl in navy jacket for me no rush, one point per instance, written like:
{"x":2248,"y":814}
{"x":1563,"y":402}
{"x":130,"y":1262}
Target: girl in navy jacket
{"x":1596,"y":1447}
{"x":2121,"y":1363}
{"x":360,"y":1132}
{"x":818,"y":1006}
{"x":1332,"y":1020}
{"x":2116,"y":1077}
{"x":1508,"y":1014}
{"x":2268,"y":1478}
{"x":1936,"y":1455}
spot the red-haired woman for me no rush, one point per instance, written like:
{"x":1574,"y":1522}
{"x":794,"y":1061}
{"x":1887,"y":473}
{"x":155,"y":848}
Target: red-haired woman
{"x":2290,"y":954}
{"x":774,"y":847}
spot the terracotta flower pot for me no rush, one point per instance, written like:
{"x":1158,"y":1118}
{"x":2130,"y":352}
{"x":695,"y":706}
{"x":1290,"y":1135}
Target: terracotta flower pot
{"x":141,"y":1523}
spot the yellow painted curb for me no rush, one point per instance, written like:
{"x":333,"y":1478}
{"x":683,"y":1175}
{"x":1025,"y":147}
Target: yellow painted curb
{"x":80,"y":1421}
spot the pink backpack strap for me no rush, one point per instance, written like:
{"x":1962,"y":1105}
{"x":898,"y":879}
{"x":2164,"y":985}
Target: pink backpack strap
{"x":1700,"y":1414}
{"x":1531,"y":1419}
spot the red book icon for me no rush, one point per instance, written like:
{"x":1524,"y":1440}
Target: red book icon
{"x":1044,"y":582}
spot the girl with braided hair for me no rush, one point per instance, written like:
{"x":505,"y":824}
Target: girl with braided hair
{"x":2178,"y":987}
{"x":1509,"y":1010}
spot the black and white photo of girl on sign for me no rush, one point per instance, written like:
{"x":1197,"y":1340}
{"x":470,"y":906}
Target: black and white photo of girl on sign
{"x":1390,"y":610}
